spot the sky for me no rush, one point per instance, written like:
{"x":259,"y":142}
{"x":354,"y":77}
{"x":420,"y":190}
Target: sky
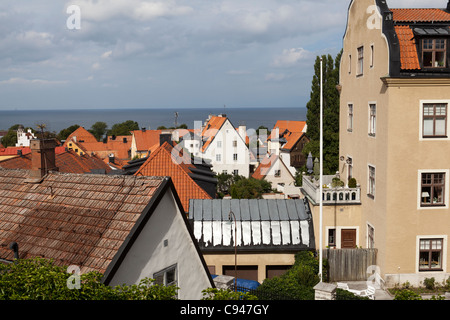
{"x":166,"y":53}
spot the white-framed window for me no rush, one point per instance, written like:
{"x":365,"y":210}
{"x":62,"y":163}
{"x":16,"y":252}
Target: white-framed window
{"x":433,"y":123}
{"x":277,"y":173}
{"x":167,"y":276}
{"x":350,"y":117}
{"x":235,"y":156}
{"x":372,"y":119}
{"x":360,"y":61}
{"x":433,"y":187}
{"x":236,"y":172}
{"x":349,"y":162}
{"x":219,"y":144}
{"x":431,"y":252}
{"x":371,"y":181}
{"x":218,"y":157}
{"x":234,"y":143}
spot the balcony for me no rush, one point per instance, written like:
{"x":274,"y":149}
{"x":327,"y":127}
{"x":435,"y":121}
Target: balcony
{"x":331,"y":195}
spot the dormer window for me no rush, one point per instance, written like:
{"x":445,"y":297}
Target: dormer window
{"x":434,"y":53}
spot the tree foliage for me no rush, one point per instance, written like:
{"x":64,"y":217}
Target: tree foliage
{"x":99,"y":129}
{"x":64,"y":133}
{"x":41,"y":279}
{"x":123,"y":128}
{"x":249,"y":188}
{"x":297,"y":283}
{"x":330,"y":113}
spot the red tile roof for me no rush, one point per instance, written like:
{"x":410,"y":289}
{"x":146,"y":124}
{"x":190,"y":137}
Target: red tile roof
{"x":80,"y":135}
{"x":290,"y":125}
{"x":73,"y":219}
{"x":68,"y":162}
{"x":209,"y":132}
{"x":12,"y":151}
{"x":263,"y":169}
{"x":146,"y":140}
{"x":162,"y":163}
{"x":408,"y":51}
{"x":420,"y":15}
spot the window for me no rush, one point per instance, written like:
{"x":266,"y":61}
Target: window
{"x":371,"y":185}
{"x":277,"y":173}
{"x":370,"y":237}
{"x":350,"y":118}
{"x":430,"y":254}
{"x":166,"y":277}
{"x":236,"y":172}
{"x":372,"y":119}
{"x":432,"y":190}
{"x":218,"y":157}
{"x":434,"y":120}
{"x":235,"y":156}
{"x":371,"y":55}
{"x":224,"y":171}
{"x":219,"y":144}
{"x":433,"y":53}
{"x":234,"y":143}
{"x":332,"y":237}
{"x":360,"y":60}
{"x":349,"y":64}
{"x":349,"y":168}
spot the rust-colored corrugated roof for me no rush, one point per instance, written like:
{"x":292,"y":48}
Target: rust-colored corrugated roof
{"x":211,"y":129}
{"x":162,"y":163}
{"x":74,"y":219}
{"x":408,"y":50}
{"x":420,"y":15}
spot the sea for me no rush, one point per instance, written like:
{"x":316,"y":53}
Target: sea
{"x":57,"y":120}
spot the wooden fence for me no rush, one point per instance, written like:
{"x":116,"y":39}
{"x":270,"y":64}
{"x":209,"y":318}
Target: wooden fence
{"x":349,"y":264}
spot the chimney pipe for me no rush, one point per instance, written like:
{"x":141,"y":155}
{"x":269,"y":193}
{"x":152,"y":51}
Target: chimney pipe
{"x":42,"y":158}
{"x":15,"y":248}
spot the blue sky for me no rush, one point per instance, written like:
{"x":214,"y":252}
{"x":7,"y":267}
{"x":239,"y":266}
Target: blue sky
{"x":167,"y":53}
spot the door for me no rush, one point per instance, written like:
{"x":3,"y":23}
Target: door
{"x":348,"y":238}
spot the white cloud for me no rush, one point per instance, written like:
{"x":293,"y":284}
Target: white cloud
{"x":22,"y":81}
{"x":290,"y":57}
{"x":276,"y":77}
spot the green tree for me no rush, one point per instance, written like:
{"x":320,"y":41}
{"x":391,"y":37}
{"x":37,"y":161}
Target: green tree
{"x":330,"y":113}
{"x":124,"y":128}
{"x":64,"y":133}
{"x":98,"y":129}
{"x":41,"y":279}
{"x":249,"y":188}
{"x":10,"y":139}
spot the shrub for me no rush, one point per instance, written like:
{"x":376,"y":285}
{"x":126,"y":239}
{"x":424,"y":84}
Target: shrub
{"x":429,"y":283}
{"x":226,"y":294}
{"x":41,"y":279}
{"x":407,"y":294}
{"x":352,"y":183}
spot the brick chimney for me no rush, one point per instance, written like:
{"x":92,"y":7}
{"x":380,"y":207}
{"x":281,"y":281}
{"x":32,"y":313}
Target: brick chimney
{"x":42,"y":158}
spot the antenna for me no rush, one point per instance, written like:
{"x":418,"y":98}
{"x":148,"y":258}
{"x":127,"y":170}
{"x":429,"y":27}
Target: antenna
{"x":41,"y":127}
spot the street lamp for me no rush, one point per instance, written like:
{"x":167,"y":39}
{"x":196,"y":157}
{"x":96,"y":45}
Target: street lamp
{"x":232,"y":217}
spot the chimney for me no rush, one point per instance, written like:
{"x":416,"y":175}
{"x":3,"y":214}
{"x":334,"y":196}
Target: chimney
{"x":165,"y":136}
{"x":42,"y":158}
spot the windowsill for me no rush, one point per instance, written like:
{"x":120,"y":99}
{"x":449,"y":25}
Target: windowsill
{"x":349,"y":130}
{"x":434,"y":137}
{"x":371,"y":196}
{"x":433,"y":205}
{"x":431,"y":270}
{"x":372,"y":135}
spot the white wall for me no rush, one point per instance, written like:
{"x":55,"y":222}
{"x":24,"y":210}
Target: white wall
{"x":149,"y":254}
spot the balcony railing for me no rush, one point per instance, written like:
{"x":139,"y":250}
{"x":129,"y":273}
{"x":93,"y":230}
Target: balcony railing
{"x":330,"y":195}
